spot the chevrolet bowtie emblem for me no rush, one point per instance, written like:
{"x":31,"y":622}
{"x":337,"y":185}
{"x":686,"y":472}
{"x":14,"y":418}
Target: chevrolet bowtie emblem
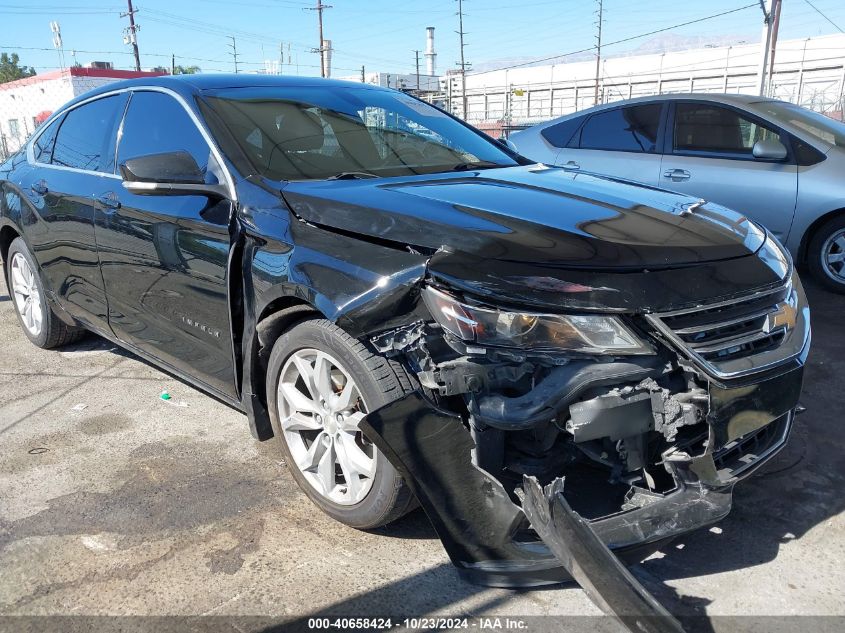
{"x":784,"y":316}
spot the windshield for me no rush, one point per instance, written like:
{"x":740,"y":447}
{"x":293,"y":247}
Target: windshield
{"x":818,"y":125}
{"x":308,"y":133}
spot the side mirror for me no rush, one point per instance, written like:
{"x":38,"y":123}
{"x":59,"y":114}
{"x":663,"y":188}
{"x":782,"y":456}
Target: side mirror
{"x":170,"y":173}
{"x":508,"y":143}
{"x":769,"y":149}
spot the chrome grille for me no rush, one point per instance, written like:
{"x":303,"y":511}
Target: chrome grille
{"x":717,"y":334}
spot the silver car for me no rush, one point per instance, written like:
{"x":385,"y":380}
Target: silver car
{"x":778,"y":163}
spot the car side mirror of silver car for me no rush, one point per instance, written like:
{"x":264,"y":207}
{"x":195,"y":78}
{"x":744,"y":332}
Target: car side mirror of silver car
{"x":769,"y":149}
{"x":167,"y":174}
{"x":507,"y":143}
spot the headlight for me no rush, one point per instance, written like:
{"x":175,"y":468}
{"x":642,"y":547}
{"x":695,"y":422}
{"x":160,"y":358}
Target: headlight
{"x":588,"y":334}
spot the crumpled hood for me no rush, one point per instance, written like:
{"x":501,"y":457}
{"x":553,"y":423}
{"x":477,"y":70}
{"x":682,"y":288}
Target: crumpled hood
{"x":531,"y":214}
{"x":553,"y":239}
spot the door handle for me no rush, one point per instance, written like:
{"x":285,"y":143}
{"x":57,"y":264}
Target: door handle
{"x":571,"y":164}
{"x":108,"y":202}
{"x":677,"y":175}
{"x":39,"y":187}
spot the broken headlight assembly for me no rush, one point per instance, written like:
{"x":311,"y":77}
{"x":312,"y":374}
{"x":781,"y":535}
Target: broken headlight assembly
{"x":582,"y":333}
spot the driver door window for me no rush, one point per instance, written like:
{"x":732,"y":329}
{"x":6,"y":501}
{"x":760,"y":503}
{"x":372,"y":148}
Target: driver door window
{"x":156,"y":123}
{"x":704,"y":128}
{"x":712,"y":158}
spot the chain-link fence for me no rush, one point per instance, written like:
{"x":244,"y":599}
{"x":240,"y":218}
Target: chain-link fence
{"x":810,"y":73}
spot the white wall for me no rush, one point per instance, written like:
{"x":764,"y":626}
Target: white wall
{"x":554,"y":90}
{"x":22,"y":103}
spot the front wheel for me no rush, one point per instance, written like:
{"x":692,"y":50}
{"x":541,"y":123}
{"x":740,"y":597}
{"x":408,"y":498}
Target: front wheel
{"x":321,"y":383}
{"x":37,"y":319}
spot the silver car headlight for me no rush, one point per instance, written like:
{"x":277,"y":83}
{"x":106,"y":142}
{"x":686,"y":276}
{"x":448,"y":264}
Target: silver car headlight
{"x":583,"y":333}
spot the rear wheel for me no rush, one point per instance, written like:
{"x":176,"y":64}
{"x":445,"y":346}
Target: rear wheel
{"x":826,"y":254}
{"x":36,"y":317}
{"x":321,"y":383}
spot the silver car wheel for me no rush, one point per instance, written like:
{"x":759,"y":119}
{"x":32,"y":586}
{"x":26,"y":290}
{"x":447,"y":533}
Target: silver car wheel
{"x":833,"y":256}
{"x":26,"y":294}
{"x":320,"y":408}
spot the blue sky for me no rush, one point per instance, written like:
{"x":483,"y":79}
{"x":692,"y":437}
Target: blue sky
{"x":379,"y":34}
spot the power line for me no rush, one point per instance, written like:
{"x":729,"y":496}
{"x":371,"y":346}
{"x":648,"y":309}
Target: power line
{"x":167,"y":55}
{"x":838,"y":28}
{"x":212,"y":28}
{"x":622,"y":41}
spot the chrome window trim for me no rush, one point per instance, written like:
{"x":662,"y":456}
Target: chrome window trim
{"x":218,"y":156}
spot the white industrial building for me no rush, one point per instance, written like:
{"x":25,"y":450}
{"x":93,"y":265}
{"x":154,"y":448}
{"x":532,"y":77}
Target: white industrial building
{"x":25,"y":103}
{"x":810,"y":72}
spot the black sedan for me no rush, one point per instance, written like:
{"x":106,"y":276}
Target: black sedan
{"x":414,"y":312}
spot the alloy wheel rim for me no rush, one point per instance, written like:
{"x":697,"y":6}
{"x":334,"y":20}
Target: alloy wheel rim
{"x":26,"y":294}
{"x":833,"y":256}
{"x":320,"y":409}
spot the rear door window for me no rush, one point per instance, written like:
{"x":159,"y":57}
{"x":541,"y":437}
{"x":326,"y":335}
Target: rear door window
{"x":86,"y":137}
{"x":630,"y":129}
{"x":560,"y":134}
{"x":42,"y":148}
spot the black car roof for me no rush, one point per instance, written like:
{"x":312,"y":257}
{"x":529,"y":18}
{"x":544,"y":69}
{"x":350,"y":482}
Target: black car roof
{"x":198,"y":83}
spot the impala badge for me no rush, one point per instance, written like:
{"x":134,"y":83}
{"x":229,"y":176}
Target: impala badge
{"x":202,"y":327}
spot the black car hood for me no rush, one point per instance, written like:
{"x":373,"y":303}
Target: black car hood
{"x":539,"y":235}
{"x":526,"y":214}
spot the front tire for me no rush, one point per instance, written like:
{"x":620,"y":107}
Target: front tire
{"x":826,"y":254}
{"x":320,"y":383}
{"x":37,"y":319}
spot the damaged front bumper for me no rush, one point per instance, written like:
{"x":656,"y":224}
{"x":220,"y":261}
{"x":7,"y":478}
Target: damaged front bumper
{"x":487,"y":533}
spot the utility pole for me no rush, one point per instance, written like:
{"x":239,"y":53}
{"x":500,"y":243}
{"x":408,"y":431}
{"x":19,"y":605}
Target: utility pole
{"x":131,"y":36}
{"x":771,"y":12}
{"x":172,"y":63}
{"x":417,"y":55}
{"x":234,"y":47}
{"x":773,"y":46}
{"x":363,"y":77}
{"x":463,"y":63}
{"x":321,"y":48}
{"x":598,"y":54}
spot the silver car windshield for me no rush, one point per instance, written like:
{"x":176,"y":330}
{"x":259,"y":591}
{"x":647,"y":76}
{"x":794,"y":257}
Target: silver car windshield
{"x":820,"y":126}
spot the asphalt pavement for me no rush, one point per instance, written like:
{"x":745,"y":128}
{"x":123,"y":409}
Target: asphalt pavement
{"x":116,"y":502}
